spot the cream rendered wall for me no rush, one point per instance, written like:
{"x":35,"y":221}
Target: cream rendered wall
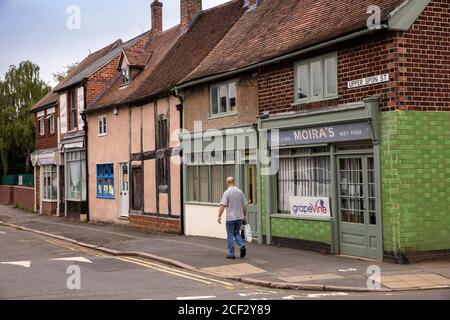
{"x":112,"y":148}
{"x":202,"y":221}
{"x":136,"y":115}
{"x":149,"y":186}
{"x":148,"y":124}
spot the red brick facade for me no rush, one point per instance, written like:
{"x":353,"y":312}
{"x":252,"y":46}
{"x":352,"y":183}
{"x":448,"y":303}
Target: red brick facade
{"x":101,"y":80}
{"x":49,"y":208}
{"x":155,"y":224}
{"x":48,"y":140}
{"x":418,"y":62}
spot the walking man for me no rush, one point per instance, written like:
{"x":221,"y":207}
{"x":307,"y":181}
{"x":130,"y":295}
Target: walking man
{"x":236,"y":204}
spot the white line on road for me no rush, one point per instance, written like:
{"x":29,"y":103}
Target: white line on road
{"x":196,"y":298}
{"x":347,"y":270}
{"x":75,"y":259}
{"x":322,"y":295}
{"x":2,"y":232}
{"x":25,"y":264}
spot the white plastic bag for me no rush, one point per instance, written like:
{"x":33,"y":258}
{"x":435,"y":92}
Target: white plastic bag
{"x":248,"y":233}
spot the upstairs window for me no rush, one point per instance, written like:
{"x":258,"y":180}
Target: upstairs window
{"x":51,"y":123}
{"x":41,"y":126}
{"x":316,"y":79}
{"x":223,"y":99}
{"x":126,"y":77}
{"x":73,"y":116}
{"x":162,"y":138}
{"x":102,"y":126}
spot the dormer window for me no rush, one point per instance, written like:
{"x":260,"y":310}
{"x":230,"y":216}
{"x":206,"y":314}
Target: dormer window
{"x":126,"y":76}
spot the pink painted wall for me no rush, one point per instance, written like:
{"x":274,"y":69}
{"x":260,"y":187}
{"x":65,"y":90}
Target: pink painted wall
{"x":112,"y":148}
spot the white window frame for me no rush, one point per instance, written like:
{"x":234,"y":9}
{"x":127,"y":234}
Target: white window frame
{"x":102,"y":125}
{"x":41,"y":126}
{"x":48,"y":193}
{"x":228,"y":112}
{"x":308,"y":63}
{"x":122,"y":72}
{"x":51,"y":123}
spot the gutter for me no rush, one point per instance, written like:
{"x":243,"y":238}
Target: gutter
{"x":180,"y":109}
{"x":294,"y":54}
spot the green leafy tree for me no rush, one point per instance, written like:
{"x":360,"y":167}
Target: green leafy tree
{"x":59,"y":76}
{"x":19,"y":91}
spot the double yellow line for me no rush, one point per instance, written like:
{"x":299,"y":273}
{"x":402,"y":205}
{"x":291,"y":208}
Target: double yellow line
{"x":148,"y":265}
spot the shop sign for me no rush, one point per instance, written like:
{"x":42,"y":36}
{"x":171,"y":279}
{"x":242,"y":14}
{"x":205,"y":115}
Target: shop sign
{"x":325,"y":134}
{"x":316,"y":207}
{"x":368,"y":81}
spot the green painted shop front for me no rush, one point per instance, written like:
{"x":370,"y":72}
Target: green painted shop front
{"x":330,"y":155}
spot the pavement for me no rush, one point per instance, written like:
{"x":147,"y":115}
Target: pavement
{"x":265,"y":266}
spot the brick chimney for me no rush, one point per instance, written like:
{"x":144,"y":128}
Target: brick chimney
{"x":157,"y":22}
{"x":189,"y":10}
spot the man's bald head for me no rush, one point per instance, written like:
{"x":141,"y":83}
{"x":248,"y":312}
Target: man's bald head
{"x":231,"y":182}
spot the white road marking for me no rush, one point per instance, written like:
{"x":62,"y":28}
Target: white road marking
{"x":259,"y":293}
{"x":292,"y":297}
{"x":321,"y":295}
{"x":2,"y":232}
{"x":347,"y":270}
{"x":196,"y":298}
{"x":75,"y":259}
{"x":25,"y":264}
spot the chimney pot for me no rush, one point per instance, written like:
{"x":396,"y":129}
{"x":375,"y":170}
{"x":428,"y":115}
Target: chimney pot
{"x":157,"y":19}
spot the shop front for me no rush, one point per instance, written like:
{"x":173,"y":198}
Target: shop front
{"x":321,"y":180}
{"x":209,"y":159}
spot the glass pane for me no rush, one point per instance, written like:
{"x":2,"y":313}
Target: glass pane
{"x":351,"y":190}
{"x":214,"y":100}
{"x":54,"y":184}
{"x":74,"y":180}
{"x":223,"y":98}
{"x":217,"y":183}
{"x":316,"y":79}
{"x":331,"y":77}
{"x":192,"y":184}
{"x":232,"y":96}
{"x":303,"y":82}
{"x":251,"y":186}
{"x":204,"y":183}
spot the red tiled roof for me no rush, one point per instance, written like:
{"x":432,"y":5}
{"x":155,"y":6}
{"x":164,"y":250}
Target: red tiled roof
{"x":49,"y":99}
{"x":175,"y":56}
{"x":279,"y":27}
{"x":137,"y":58}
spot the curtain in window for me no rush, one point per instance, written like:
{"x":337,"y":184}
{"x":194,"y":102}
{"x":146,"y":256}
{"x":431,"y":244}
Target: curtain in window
{"x":303,"y":177}
{"x":74,"y":180}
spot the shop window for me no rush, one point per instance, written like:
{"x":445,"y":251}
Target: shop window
{"x":76,"y":176}
{"x":105,"y":181}
{"x":50,"y":183}
{"x":223,"y":99}
{"x":102,"y":126}
{"x":302,"y":177}
{"x":73,"y":117}
{"x":316,"y":79}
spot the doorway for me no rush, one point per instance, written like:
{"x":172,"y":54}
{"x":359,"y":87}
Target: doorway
{"x":124,"y":190}
{"x":251,"y":192}
{"x":359,"y":219}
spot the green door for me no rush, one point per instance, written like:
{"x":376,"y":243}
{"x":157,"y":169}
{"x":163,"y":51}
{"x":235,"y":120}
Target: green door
{"x":360,"y":232}
{"x":251,"y":192}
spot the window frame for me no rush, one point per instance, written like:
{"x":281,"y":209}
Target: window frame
{"x":72,"y":109}
{"x":162,"y":132}
{"x":105,"y":175}
{"x":72,"y":157}
{"x":126,"y":76}
{"x":308,"y":62}
{"x":102,"y":125}
{"x":48,"y":192}
{"x":51,"y":123}
{"x":229,"y":111}
{"x":163,"y":174}
{"x":41,"y":122}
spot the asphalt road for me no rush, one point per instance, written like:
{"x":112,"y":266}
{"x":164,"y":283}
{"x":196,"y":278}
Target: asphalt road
{"x":39,"y":268}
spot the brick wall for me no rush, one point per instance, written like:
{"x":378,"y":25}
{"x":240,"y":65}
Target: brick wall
{"x":47,"y":141}
{"x":37,"y":187}
{"x":15,"y":195}
{"x":49,"y":208}
{"x":415,"y":164}
{"x":155,"y":224}
{"x":418,"y":62}
{"x":101,"y":80}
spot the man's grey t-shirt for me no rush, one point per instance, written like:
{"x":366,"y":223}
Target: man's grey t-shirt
{"x":234,"y":200}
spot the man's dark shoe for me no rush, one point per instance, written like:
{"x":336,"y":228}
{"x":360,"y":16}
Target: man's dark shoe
{"x":231,"y":257}
{"x":243,"y":252}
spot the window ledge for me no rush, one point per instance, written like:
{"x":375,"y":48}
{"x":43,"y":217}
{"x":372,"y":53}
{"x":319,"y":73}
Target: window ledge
{"x":102,"y":135}
{"x":223,"y":115}
{"x":290,"y":216}
{"x":299,"y":103}
{"x":197,"y":203}
{"x":50,"y":201}
{"x":106,"y":198}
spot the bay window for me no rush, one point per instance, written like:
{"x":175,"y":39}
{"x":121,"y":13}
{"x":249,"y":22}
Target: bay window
{"x":76,"y":176}
{"x":50,"y":182}
{"x":316,"y":79}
